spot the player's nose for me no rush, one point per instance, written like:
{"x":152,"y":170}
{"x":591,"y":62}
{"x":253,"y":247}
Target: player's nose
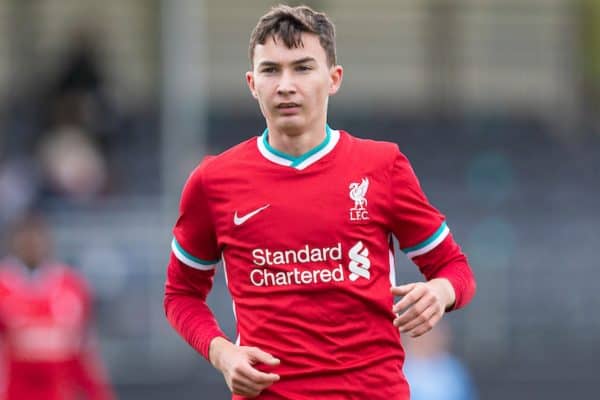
{"x":286,"y":84}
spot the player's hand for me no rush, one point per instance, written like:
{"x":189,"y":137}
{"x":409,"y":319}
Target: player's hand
{"x":422,"y":306}
{"x":236,"y":363}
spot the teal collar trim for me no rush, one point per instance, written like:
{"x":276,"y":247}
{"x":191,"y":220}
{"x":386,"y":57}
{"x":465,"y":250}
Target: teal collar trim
{"x":295,"y":161}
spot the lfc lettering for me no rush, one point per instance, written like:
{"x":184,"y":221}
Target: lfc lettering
{"x":358,"y":214}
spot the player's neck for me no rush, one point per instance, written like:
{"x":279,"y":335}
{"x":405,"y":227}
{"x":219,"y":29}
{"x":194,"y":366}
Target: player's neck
{"x":31,"y":265}
{"x":296,"y":144}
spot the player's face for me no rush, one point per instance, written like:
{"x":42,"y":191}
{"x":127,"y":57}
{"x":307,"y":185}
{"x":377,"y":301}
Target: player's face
{"x":32,"y":244}
{"x":292,"y":86}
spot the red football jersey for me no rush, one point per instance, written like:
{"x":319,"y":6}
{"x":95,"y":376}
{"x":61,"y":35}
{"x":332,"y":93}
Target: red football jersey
{"x":306,"y":245}
{"x":44,"y":323}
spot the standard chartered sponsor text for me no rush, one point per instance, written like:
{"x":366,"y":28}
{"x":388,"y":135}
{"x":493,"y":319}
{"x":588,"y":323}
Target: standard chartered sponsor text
{"x":264,"y":277}
{"x":305,"y":254}
{"x":296,"y":276}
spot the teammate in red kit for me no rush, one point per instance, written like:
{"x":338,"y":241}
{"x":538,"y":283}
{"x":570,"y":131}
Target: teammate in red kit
{"x":302,"y":218}
{"x":45,"y":323}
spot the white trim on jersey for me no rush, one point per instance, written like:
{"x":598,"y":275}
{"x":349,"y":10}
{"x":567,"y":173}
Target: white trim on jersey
{"x":335,"y":137}
{"x":431,"y":243}
{"x":270,"y":156}
{"x":392,"y":268}
{"x":237,"y":339}
{"x":392,"y":260}
{"x":187,"y":260}
{"x":298,"y":163}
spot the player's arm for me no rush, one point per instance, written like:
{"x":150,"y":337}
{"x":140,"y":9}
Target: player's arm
{"x":186,"y":290}
{"x":185,"y":304}
{"x":425,"y":237}
{"x":88,"y":371}
{"x":190,"y":275}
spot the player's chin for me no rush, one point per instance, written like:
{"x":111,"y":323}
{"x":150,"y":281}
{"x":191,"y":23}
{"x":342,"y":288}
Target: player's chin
{"x":290,"y":124}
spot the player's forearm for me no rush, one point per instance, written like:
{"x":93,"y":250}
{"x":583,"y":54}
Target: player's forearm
{"x":444,"y":290}
{"x":449,"y":263}
{"x":194,"y":321}
{"x":88,"y":373}
{"x":218,"y":345}
{"x":461,"y":278}
{"x":186,"y":308}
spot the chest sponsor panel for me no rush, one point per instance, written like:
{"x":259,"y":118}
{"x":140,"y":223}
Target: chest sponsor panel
{"x":308,"y":265}
{"x":308,"y":231}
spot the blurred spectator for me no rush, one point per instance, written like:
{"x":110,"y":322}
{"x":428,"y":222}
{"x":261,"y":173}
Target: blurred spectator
{"x":17,"y":189}
{"x":45,"y":323}
{"x":78,"y":129}
{"x":78,"y":95}
{"x":72,"y":165}
{"x":78,"y":124}
{"x":432,"y":372}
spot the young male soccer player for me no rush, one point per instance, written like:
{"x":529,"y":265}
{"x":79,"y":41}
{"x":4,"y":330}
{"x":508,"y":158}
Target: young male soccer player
{"x":302,"y":218}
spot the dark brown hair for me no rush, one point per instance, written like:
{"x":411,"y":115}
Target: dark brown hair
{"x":288,"y":23}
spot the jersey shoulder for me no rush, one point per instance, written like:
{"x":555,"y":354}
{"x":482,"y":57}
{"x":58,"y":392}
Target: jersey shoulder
{"x":375,"y":152}
{"x":67,"y":276}
{"x":8,"y":277}
{"x":229,"y":162}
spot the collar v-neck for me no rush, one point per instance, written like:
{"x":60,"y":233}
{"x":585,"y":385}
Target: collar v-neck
{"x":304,"y":160}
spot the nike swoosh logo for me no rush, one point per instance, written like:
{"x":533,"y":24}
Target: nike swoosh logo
{"x":240,"y":220}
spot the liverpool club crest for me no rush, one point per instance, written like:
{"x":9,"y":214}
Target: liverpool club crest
{"x":358,"y":193}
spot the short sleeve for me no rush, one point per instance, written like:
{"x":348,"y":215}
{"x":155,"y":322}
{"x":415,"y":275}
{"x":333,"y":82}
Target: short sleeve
{"x":418,"y":226}
{"x":195,"y":242}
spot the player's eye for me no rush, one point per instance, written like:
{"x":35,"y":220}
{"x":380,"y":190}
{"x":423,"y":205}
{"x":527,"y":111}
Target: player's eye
{"x":303,"y":68}
{"x":268,"y":70}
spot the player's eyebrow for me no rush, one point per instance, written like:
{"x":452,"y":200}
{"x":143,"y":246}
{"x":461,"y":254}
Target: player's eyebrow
{"x":304,"y":60}
{"x":295,"y":62}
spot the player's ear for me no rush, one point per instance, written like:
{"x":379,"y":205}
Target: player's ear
{"x":336,"y":73}
{"x":250,"y":82}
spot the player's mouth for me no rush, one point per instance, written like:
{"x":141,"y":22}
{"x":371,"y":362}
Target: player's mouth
{"x":288,"y":108}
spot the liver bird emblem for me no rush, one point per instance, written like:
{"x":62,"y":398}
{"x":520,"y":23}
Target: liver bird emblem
{"x":358,"y":192}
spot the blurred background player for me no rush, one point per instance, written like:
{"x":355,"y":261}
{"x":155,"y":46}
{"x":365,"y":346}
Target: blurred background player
{"x":432,"y":371}
{"x":45,"y":311}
